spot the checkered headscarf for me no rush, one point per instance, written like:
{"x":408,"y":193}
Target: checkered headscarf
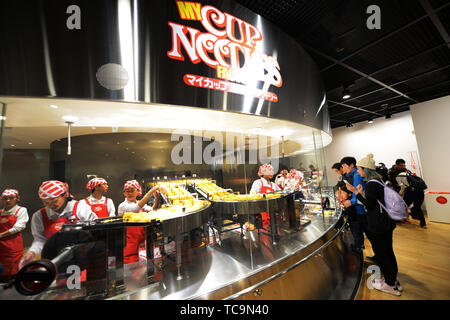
{"x":95,"y":182}
{"x":10,"y":192}
{"x":133,"y":184}
{"x":295,"y":174}
{"x":265,"y":169}
{"x":52,"y":189}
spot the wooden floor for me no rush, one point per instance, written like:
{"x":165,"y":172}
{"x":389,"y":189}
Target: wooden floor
{"x":423,"y":257}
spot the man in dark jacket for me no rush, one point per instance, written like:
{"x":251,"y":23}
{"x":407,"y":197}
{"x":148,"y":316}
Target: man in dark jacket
{"x":397,"y":168}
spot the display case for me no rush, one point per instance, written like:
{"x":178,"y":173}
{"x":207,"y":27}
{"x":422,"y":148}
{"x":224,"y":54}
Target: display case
{"x":197,"y":118}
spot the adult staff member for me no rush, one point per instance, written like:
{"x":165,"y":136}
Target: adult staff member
{"x":135,"y":235}
{"x":99,"y":204}
{"x":13,"y":219}
{"x":59,"y":209}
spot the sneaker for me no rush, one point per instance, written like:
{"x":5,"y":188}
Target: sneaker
{"x":383,"y":286}
{"x":424,"y":226}
{"x":398,"y":286}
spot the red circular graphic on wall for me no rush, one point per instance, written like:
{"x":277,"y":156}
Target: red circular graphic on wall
{"x":441,"y":200}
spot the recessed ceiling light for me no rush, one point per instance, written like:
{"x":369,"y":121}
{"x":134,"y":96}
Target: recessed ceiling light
{"x":69,"y":118}
{"x":54,"y":106}
{"x":370,"y":120}
{"x":30,"y":142}
{"x":385,"y":104}
{"x":12,"y":145}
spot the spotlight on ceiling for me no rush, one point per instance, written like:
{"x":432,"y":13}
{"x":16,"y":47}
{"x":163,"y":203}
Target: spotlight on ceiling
{"x":346,"y":94}
{"x":370,"y":120}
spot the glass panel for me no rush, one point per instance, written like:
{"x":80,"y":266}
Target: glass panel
{"x":214,"y":222}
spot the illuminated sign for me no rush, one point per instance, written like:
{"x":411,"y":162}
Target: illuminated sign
{"x":229,"y":45}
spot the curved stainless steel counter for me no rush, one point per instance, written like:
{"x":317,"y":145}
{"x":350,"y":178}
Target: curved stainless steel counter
{"x":314,"y":263}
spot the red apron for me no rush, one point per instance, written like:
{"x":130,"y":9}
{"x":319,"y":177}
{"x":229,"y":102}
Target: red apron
{"x":101,"y":209}
{"x":11,"y":247}
{"x":265,"y":189}
{"x":52,"y":226}
{"x":135,"y":237}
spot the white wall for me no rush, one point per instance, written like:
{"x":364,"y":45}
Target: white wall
{"x":387,"y":139}
{"x":432,"y":124}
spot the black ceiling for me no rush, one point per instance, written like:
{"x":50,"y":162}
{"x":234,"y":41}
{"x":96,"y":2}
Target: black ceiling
{"x":405,"y":62}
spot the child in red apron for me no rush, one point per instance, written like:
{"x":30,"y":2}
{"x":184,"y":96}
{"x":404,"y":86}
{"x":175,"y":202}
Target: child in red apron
{"x":295,"y":179}
{"x":59,"y":209}
{"x":264,"y":185}
{"x":136,"y":236}
{"x":282,"y":179}
{"x":102,"y":207}
{"x":13,"y":220}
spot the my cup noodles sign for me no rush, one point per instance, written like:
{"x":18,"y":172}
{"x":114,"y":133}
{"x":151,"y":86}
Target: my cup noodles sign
{"x":229,"y":45}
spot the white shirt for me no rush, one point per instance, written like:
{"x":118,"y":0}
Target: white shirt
{"x":84,"y":207}
{"x":292,"y":184}
{"x":128,"y":206}
{"x":22,"y":218}
{"x":281,"y":181}
{"x":37,"y":223}
{"x":257,"y":185}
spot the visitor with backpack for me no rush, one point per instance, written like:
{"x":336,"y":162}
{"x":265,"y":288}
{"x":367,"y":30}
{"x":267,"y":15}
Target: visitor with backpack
{"x":397,"y":168}
{"x":383,"y":205}
{"x":412,"y":189}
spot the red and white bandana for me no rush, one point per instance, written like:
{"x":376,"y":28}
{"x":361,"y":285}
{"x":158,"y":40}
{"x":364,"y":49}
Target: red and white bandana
{"x":52,"y":189}
{"x":295,"y":174}
{"x":95,"y":182}
{"x":133,"y":184}
{"x":265,"y":169}
{"x":10,"y":192}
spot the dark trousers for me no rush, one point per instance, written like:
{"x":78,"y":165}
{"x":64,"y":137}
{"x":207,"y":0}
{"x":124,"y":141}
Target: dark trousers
{"x":384,"y":252}
{"x":358,"y":225}
{"x":357,"y":233}
{"x":415,"y":197}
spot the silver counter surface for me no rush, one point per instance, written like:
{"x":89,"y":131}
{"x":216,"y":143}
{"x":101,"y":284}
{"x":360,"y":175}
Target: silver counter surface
{"x":313,"y":263}
{"x":238,"y":267}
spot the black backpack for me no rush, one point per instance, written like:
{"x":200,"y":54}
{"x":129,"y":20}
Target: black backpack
{"x":416,"y":182}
